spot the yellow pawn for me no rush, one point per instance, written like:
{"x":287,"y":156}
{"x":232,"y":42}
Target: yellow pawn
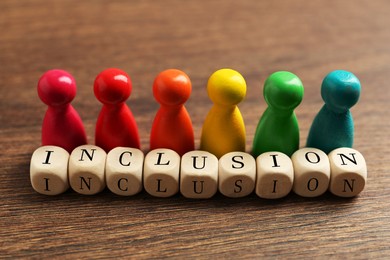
{"x":224,"y":130}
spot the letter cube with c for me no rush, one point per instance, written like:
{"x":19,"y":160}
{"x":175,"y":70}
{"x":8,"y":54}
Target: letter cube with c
{"x":124,"y":168}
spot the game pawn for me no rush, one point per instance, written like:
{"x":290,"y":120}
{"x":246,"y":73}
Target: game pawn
{"x":278,"y":128}
{"x":116,"y":126}
{"x":333,"y":126}
{"x":172,"y":126}
{"x":62,"y":125}
{"x":224,"y":130}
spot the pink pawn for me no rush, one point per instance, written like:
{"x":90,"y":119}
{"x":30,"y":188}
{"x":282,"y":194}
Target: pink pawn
{"x":62,"y":125}
{"x":116,"y":125}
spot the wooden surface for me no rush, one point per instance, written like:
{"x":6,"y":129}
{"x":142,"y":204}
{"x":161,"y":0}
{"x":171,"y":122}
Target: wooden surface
{"x":308,"y":38}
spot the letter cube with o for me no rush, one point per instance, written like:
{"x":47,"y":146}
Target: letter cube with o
{"x":199,"y":175}
{"x":87,"y":169}
{"x":237,"y":174}
{"x":311,"y":172}
{"x":124,"y":168}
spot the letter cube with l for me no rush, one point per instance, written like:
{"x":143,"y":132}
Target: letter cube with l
{"x":87,"y":169}
{"x":348,"y":172}
{"x":237,"y":174}
{"x":49,"y":170}
{"x":199,"y":175}
{"x":161,"y":172}
{"x":124,"y":168}
{"x":275,"y":175}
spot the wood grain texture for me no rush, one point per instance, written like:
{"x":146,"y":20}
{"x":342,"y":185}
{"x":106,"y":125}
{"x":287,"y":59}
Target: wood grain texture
{"x":308,"y":38}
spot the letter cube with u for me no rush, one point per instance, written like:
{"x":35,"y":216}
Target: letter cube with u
{"x":199,"y":175}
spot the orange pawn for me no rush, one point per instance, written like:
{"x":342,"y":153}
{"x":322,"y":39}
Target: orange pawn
{"x":172,"y":126}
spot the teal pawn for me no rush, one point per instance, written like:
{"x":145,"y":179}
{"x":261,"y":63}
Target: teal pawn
{"x":333,"y":126}
{"x":278,"y":128}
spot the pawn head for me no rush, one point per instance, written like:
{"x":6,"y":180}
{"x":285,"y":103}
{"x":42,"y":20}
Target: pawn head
{"x":172,"y":87}
{"x":112,"y":86}
{"x":56,"y":88}
{"x":340,"y":90}
{"x":283,"y":90}
{"x":226,"y":87}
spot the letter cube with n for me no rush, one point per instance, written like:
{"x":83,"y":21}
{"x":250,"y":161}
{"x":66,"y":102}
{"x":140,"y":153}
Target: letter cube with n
{"x":161,"y":172}
{"x":49,"y":170}
{"x":348,"y":172}
{"x":87,"y":169}
{"x":199,"y":175}
{"x":237,"y":174}
{"x":124,"y":168}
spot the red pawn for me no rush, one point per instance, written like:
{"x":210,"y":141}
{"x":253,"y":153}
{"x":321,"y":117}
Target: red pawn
{"x":172,"y":126}
{"x":62,"y":125}
{"x":116,"y":125}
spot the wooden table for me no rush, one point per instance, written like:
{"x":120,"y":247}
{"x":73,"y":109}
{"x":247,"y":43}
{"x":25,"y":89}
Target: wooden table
{"x":308,"y":38}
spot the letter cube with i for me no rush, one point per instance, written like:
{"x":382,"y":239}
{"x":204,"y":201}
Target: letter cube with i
{"x":124,"y":167}
{"x":49,"y":170}
{"x":348,"y":172}
{"x":237,"y":174}
{"x":275,"y":175}
{"x":199,"y":175}
{"x":311,"y":172}
{"x":87,"y":169}
{"x":161,"y":172}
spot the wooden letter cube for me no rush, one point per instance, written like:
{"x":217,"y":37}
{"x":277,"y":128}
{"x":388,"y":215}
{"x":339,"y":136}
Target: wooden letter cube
{"x":124,"y":168}
{"x":237,"y":174}
{"x":311,"y":172}
{"x":275,"y":175}
{"x":199,"y":175}
{"x":86,"y":169}
{"x":49,"y":170}
{"x":161,"y":172}
{"x":348,"y":172}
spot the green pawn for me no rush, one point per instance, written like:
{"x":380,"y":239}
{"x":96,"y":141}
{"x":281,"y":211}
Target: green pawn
{"x":278,"y":128}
